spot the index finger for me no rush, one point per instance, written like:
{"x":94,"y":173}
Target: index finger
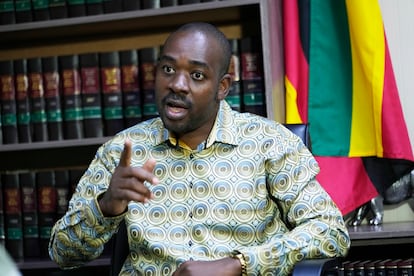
{"x":125,"y":160}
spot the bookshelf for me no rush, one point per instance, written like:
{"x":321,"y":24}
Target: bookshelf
{"x":123,"y":31}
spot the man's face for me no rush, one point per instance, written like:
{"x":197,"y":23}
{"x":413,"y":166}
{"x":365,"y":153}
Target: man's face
{"x":188,"y":88}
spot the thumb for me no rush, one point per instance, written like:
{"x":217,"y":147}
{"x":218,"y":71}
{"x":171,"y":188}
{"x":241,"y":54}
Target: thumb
{"x":125,"y":160}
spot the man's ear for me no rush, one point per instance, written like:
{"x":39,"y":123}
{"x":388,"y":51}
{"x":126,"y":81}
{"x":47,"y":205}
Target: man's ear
{"x":224,"y":86}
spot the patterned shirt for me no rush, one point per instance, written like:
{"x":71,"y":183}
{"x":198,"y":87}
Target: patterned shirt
{"x":249,"y":187}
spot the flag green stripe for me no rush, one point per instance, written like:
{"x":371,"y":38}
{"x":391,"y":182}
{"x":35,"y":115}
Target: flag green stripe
{"x":330,"y":79}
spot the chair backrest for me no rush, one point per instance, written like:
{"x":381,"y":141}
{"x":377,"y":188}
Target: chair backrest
{"x":120,"y":247}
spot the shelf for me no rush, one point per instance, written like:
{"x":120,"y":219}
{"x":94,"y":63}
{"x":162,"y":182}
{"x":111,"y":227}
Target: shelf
{"x":386,"y":233}
{"x":32,"y":264}
{"x":76,"y":34}
{"x":52,"y":154}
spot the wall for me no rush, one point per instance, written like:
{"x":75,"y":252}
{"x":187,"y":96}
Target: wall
{"x":399,"y":27}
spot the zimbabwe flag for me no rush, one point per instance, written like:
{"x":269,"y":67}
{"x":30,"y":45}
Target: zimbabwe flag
{"x":339,"y":79}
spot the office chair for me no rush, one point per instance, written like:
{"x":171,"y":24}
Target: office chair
{"x":303,"y":268}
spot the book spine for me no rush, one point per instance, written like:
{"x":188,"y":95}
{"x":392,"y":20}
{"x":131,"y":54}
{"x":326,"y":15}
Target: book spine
{"x":72,"y":99}
{"x":29,"y":213}
{"x":37,"y":100}
{"x":13,"y":215}
{"x":150,"y":4}
{"x":22,"y":101}
{"x":168,"y":3}
{"x":91,"y":95}
{"x":47,"y":207}
{"x":2,"y":224}
{"x":111,"y":6}
{"x":23,"y":11}
{"x":76,"y":8}
{"x":131,"y":5}
{"x":186,"y":2}
{"x":63,"y":192}
{"x":234,"y":96}
{"x":94,"y":7}
{"x":112,"y":92}
{"x":147,"y":64}
{"x":58,"y":9}
{"x":40,"y":10}
{"x":252,"y":76}
{"x":130,"y":87}
{"x":7,"y":14}
{"x":8,"y":102}
{"x":51,"y":80}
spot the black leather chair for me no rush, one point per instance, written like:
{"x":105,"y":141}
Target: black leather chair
{"x":304,"y":268}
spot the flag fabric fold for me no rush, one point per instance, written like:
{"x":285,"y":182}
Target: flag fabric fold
{"x":339,"y":79}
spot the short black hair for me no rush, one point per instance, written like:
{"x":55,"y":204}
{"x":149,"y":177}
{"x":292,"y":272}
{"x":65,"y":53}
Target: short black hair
{"x":219,"y":36}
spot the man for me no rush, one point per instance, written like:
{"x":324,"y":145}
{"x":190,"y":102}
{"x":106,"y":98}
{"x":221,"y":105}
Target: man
{"x":203,"y":190}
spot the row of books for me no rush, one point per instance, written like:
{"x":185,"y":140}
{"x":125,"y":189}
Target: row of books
{"x":378,"y":267}
{"x":99,"y":94}
{"x":20,"y":11}
{"x":30,"y":204}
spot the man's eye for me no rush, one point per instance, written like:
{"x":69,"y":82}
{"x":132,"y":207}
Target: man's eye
{"x":197,"y":75}
{"x":168,"y":69}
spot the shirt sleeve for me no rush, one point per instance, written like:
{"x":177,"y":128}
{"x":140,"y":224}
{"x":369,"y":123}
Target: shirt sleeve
{"x":80,"y":235}
{"x":314,"y":225}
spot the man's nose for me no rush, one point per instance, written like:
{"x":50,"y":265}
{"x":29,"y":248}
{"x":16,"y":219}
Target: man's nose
{"x":180,"y":82}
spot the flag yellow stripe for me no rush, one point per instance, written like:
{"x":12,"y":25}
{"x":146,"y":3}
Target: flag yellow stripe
{"x":368,"y":58}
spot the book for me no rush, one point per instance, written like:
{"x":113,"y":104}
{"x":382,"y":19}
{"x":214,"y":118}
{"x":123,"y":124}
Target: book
{"x":76,"y":8}
{"x":252,"y":76}
{"x":112,"y":92}
{"x":94,"y":7}
{"x":37,"y":100}
{"x":147,"y":65}
{"x":91,"y":95}
{"x":405,"y":267}
{"x":40,"y":9}
{"x":130,"y":87}
{"x":22,"y":101}
{"x":150,"y":4}
{"x":51,"y":80}
{"x":7,"y":16}
{"x":74,"y":177}
{"x":2,"y":225}
{"x":234,"y":96}
{"x":13,"y":215}
{"x":29,"y":214}
{"x":47,"y":207}
{"x":168,"y":3}
{"x":23,"y":11}
{"x":131,"y":5}
{"x":111,"y":6}
{"x":8,"y":102}
{"x":58,"y":9}
{"x":63,"y":192}
{"x":71,"y":97}
{"x":186,"y":2}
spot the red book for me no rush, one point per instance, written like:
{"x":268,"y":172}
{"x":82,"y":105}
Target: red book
{"x":47,"y":207}
{"x":37,"y":100}
{"x":22,"y":101}
{"x":29,"y":213}
{"x":147,"y":64}
{"x":112,"y":92}
{"x":91,"y":95}
{"x":51,"y":80}
{"x":130,"y":87}
{"x":8,"y":102}
{"x":63,"y":192}
{"x":13,"y":215}
{"x":252,"y":76}
{"x":71,"y":98}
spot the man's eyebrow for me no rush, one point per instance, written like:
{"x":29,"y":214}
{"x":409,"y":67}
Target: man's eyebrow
{"x":194,"y":62}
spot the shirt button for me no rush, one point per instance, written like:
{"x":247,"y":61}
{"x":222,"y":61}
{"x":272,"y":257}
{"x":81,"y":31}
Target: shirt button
{"x":191,"y":214}
{"x":190,"y":243}
{"x":191,"y":156}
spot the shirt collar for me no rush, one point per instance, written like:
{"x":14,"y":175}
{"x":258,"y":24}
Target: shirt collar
{"x":225,"y":129}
